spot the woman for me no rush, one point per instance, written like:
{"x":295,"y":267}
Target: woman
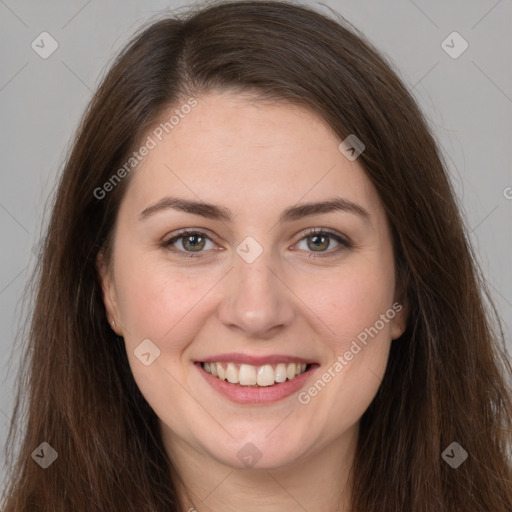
{"x":256,"y":290}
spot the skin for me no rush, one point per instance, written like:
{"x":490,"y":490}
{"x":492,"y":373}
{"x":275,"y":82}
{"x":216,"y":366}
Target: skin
{"x":256,"y":159}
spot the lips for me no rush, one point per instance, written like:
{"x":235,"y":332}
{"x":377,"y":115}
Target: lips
{"x":245,"y":378}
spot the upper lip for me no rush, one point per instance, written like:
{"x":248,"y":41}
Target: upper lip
{"x":254,"y":360}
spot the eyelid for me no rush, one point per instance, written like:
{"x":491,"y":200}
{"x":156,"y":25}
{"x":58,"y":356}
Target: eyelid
{"x":325,"y":231}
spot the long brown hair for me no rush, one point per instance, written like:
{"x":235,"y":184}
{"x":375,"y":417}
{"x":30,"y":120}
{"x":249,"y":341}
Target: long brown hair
{"x":446,"y":379}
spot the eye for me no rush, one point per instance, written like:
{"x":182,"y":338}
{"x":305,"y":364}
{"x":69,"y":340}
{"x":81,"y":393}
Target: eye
{"x":320,"y":241}
{"x":188,"y":243}
{"x":191,"y":244}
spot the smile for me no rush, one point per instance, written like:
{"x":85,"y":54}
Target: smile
{"x":256,"y":379}
{"x":255,"y":376}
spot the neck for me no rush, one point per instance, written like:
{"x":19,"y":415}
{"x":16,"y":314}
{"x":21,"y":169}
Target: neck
{"x":317,"y":481}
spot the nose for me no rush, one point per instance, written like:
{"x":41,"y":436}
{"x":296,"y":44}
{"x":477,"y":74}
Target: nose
{"x":257,"y":301}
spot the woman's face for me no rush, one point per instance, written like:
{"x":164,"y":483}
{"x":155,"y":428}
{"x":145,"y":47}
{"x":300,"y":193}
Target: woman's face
{"x":252,"y":288}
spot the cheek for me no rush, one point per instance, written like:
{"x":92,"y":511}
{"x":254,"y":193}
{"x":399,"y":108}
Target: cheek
{"x":155,"y":300}
{"x":351,"y":298}
{"x":157,"y":303}
{"x":355,"y":302}
{"x":358,"y":344}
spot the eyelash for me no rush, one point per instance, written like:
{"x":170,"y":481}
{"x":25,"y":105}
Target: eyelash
{"x":344,"y":243}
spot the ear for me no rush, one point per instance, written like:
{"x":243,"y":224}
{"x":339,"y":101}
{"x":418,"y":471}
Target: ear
{"x":399,"y":322}
{"x":106,"y":279}
{"x":401,"y":309}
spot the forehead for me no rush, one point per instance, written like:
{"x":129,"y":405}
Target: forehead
{"x":235,"y":151}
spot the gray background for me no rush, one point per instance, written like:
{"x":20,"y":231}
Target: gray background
{"x":467,"y":100}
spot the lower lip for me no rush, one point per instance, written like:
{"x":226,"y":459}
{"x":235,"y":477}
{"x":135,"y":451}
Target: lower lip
{"x":259,"y":395}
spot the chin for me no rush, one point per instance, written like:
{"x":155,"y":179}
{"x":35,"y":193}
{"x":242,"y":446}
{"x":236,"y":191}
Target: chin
{"x":257,"y":453}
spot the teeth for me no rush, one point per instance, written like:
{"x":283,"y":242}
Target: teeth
{"x":280,"y":372}
{"x":248,"y":375}
{"x":266,"y":376}
{"x":232,"y":373}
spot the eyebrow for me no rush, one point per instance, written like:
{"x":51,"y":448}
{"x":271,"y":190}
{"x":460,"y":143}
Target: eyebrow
{"x":211,"y":211}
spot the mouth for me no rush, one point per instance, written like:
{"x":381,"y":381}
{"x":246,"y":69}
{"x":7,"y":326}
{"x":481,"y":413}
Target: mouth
{"x":244,"y":379}
{"x":248,"y":375}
